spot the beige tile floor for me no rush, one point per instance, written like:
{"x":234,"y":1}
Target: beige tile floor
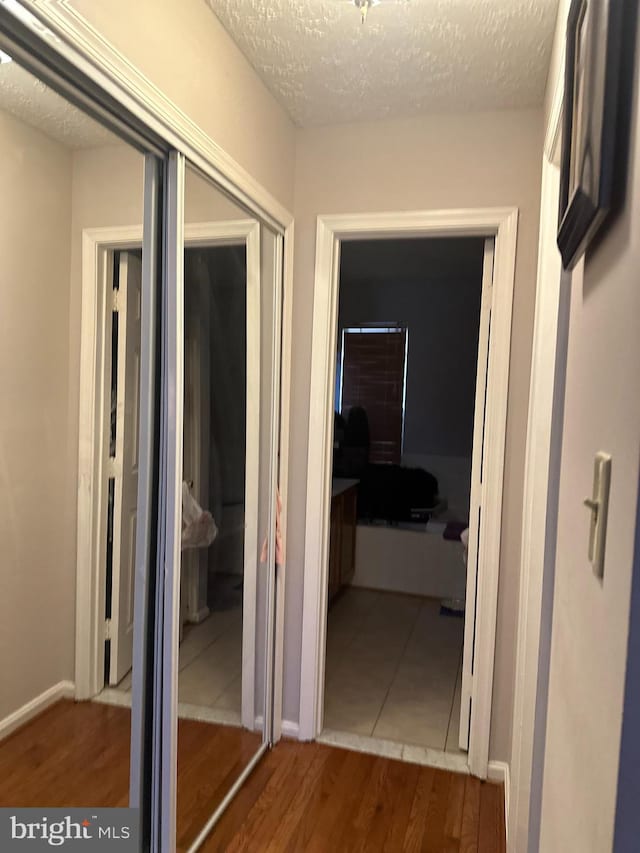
{"x":210,"y":662}
{"x":393,"y":669}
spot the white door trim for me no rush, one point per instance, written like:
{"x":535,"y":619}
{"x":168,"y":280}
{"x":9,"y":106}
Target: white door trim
{"x":91,"y":533}
{"x":541,"y":481}
{"x":331,"y":230}
{"x":92,"y":438}
{"x":480,"y":437}
{"x":283,"y":474}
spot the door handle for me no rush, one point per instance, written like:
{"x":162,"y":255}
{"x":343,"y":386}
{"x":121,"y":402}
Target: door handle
{"x":598,"y":506}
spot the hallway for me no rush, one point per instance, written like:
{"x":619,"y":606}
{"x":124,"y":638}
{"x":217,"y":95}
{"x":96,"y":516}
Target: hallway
{"x":302,"y":796}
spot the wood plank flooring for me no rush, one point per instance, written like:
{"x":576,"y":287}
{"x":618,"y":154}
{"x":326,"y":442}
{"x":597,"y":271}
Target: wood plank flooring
{"x":301,"y":797}
{"x":312,"y":797}
{"x":77,"y":754}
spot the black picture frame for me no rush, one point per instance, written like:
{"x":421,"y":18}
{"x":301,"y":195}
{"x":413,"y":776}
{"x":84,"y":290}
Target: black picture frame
{"x":594,"y":50}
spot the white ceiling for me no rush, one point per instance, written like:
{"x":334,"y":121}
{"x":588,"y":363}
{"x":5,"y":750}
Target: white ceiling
{"x":411,"y":56}
{"x":29,"y":100}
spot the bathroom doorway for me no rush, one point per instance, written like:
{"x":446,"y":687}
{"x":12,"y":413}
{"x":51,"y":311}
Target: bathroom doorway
{"x":409,"y":317}
{"x":496,"y":230}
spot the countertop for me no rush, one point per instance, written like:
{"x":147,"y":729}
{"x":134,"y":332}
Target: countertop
{"x":341,"y":484}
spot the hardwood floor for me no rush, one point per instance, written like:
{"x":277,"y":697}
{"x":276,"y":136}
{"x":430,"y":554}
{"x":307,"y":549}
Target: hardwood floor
{"x":77,"y":754}
{"x":306,"y":797}
{"x":311,"y":797}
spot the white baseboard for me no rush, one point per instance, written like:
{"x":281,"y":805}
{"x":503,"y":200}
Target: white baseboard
{"x":113,"y":696}
{"x":498,"y":771}
{"x":287,"y":728}
{"x":199,"y":616}
{"x":290,"y":729}
{"x":61,"y":690}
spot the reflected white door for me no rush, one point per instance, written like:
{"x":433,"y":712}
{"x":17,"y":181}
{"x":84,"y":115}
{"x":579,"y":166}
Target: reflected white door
{"x":475,"y":508}
{"x":125,"y":466}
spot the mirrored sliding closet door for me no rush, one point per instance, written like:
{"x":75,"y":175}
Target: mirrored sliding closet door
{"x":140,"y":336}
{"x":225,"y":326}
{"x":78,"y":448}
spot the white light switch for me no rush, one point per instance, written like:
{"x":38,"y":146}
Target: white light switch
{"x":598,"y":504}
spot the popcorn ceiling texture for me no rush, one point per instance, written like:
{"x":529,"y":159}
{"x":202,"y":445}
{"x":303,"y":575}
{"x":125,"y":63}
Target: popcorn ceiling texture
{"x":411,"y":56}
{"x":28,"y":99}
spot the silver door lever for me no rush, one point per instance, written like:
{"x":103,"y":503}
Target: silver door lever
{"x":598,"y":505}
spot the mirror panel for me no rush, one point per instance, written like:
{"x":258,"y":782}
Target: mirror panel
{"x":72,"y":317}
{"x":228,"y":499}
{"x":71,"y":308}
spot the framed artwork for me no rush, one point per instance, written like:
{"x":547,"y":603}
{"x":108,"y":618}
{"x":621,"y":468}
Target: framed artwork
{"x":590,"y":126}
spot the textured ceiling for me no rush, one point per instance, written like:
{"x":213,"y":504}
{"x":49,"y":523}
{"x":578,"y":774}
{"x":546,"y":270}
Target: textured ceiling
{"x":26,"y":98}
{"x":411,"y":56}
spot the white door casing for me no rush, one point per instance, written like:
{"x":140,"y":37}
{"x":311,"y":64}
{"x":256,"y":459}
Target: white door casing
{"x":540,"y":504}
{"x":475,"y":507}
{"x":124,"y":465}
{"x":97,"y":251}
{"x":500,"y":223}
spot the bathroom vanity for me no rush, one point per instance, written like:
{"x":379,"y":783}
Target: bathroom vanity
{"x":342,"y":541}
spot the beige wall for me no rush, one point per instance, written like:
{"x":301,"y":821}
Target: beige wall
{"x":591,"y":616}
{"x":37,"y":552}
{"x":452,"y":161}
{"x":55,"y":194}
{"x":185,"y":51}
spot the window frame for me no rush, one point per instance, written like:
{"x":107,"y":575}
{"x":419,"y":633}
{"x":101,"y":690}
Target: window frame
{"x":377,"y":328}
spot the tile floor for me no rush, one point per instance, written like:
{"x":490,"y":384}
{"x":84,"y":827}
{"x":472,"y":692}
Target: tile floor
{"x":393,"y":669}
{"x":210,"y":673}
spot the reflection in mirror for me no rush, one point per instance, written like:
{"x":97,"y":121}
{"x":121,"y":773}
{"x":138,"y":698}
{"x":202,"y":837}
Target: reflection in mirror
{"x":227,"y":500}
{"x":70,"y":303}
{"x":269,"y":377}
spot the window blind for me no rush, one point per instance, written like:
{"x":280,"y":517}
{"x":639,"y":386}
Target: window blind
{"x":373,"y":377}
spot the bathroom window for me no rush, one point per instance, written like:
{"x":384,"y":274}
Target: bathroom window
{"x":373,"y":373}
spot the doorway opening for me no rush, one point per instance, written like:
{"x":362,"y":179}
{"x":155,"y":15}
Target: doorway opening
{"x":409,"y":375}
{"x":408,"y":534}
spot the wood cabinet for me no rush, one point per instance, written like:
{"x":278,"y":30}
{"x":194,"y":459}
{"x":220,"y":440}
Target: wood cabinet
{"x":342,"y":535}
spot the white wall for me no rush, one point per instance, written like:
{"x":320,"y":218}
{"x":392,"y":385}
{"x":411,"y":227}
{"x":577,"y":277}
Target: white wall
{"x":452,"y":161}
{"x":627,"y":828}
{"x":37,"y":548}
{"x":591,"y":616}
{"x":409,"y":561}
